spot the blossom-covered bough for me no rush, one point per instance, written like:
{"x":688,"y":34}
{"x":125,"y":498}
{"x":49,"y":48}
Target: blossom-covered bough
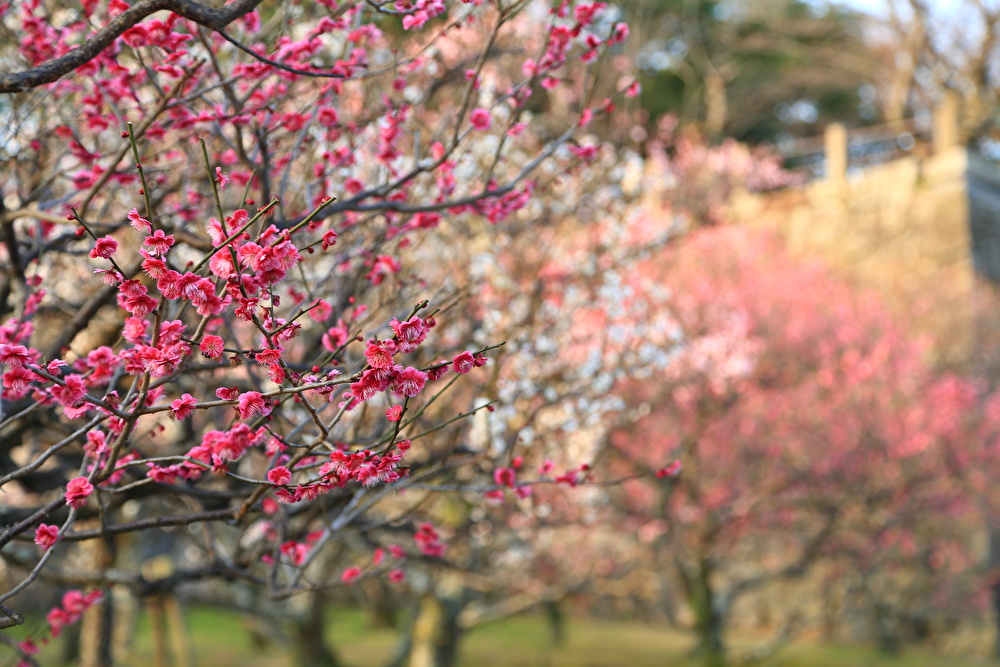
{"x":211,"y":324}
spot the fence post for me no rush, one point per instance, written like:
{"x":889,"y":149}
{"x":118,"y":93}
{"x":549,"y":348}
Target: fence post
{"x":835,"y":147}
{"x":946,"y":123}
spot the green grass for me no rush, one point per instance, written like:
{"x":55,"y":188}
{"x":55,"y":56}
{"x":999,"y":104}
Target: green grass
{"x":221,"y":639}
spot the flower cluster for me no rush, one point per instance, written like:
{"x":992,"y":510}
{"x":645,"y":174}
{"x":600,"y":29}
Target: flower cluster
{"x":74,"y":603}
{"x":429,"y":541}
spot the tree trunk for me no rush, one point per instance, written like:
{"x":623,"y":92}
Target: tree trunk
{"x":96,"y":634}
{"x":716,"y":105}
{"x":667,"y":597}
{"x":71,"y":645}
{"x":380,"y":605}
{"x":557,"y":622}
{"x":311,"y":649}
{"x":97,"y":625}
{"x":433,"y":635}
{"x":709,"y":619}
{"x":886,"y":634}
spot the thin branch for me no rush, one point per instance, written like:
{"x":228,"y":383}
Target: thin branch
{"x":274,"y":63}
{"x":145,"y":524}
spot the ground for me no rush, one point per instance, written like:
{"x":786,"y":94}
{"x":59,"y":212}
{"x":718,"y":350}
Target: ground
{"x":220,"y":639}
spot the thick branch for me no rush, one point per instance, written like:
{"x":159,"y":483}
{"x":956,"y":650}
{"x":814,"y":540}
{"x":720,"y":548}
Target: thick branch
{"x":52,"y":70}
{"x":796,"y":568}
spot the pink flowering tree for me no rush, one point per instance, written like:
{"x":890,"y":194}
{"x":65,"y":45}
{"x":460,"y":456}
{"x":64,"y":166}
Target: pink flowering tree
{"x":558,"y":294}
{"x":492,"y":522}
{"x":806,"y":427}
{"x":214,"y":308}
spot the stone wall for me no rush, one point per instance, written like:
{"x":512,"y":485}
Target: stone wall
{"x":902,"y":227}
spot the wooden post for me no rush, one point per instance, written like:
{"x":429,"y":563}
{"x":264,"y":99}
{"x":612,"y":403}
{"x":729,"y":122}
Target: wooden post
{"x":946,"y":130}
{"x":166,"y":616}
{"x":835,"y":145}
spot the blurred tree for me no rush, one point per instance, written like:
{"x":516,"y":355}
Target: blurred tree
{"x":808,"y":427}
{"x":937,"y":49}
{"x":751,"y":69}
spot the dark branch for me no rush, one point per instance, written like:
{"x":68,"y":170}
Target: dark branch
{"x":275,"y":63}
{"x":146,"y":524}
{"x":52,"y":70}
{"x":20,"y":527}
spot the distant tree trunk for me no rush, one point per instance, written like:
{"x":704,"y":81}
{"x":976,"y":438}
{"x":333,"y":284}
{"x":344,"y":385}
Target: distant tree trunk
{"x":716,"y":105}
{"x":557,"y":621}
{"x":71,"y":645}
{"x":96,"y":633}
{"x":709,"y":614}
{"x":434,"y":633}
{"x":887,"y":634}
{"x":126,"y":612}
{"x":96,"y":628}
{"x":667,"y":599}
{"x":380,"y":604}
{"x":311,"y":649}
{"x":831,"y":609}
{"x":911,"y":36}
